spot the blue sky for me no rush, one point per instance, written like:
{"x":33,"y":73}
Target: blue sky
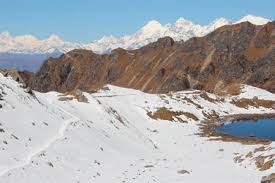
{"x":86,"y":20}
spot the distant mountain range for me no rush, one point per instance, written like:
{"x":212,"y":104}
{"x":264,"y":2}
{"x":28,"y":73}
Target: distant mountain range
{"x":27,"y":52}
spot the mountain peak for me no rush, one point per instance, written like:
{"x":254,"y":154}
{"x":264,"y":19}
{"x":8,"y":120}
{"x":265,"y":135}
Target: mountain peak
{"x":54,"y":39}
{"x":107,"y":39}
{"x":219,"y":22}
{"x":28,"y":39}
{"x":5,"y":35}
{"x":152,"y":26}
{"x":183,"y":22}
{"x":256,"y":20}
{"x":153,"y":23}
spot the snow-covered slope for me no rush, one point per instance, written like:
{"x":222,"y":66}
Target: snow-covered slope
{"x":182,"y":29}
{"x":51,"y":139}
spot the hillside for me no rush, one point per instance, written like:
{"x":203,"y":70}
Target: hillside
{"x":242,"y":53}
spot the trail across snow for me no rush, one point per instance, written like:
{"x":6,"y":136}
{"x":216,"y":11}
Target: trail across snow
{"x":59,"y":135}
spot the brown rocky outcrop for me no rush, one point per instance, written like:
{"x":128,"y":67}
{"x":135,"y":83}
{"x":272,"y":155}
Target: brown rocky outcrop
{"x":268,"y":179}
{"x":241,"y":53}
{"x":19,"y":76}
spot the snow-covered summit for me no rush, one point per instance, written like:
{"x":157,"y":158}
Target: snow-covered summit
{"x":218,"y":23}
{"x":182,"y":29}
{"x":181,"y":22}
{"x":151,"y":27}
{"x":254,"y":20}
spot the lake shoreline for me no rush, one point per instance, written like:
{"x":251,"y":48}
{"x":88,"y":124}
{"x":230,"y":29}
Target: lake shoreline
{"x":208,"y":128}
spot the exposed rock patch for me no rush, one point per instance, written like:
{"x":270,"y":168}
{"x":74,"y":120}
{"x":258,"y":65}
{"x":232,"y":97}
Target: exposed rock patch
{"x":269,"y":179}
{"x":165,"y":114}
{"x":183,"y":172}
{"x":245,"y":103}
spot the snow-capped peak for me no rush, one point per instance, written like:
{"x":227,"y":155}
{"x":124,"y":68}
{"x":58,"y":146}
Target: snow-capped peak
{"x":152,"y":24}
{"x":183,"y":22}
{"x":54,"y":39}
{"x":218,"y":23}
{"x":105,"y":39}
{"x":151,"y":27}
{"x":28,"y":39}
{"x":5,"y":36}
{"x":254,"y":20}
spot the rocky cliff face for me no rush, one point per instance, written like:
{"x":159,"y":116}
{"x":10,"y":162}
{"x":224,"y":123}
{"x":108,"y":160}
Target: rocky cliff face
{"x":241,"y":53}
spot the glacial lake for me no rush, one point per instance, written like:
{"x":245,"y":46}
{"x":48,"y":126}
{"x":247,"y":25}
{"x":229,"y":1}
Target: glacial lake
{"x":260,"y":129}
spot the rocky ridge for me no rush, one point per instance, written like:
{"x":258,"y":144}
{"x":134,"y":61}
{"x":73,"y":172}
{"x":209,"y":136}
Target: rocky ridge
{"x":233,"y":54}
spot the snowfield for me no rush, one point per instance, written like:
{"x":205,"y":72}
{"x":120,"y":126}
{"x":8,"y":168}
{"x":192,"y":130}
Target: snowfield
{"x":111,"y":138}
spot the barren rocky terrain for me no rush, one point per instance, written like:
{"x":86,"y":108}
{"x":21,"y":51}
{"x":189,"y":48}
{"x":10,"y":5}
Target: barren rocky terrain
{"x":243,"y":53}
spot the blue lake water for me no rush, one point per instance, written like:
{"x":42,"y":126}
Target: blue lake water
{"x":261,"y":129}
